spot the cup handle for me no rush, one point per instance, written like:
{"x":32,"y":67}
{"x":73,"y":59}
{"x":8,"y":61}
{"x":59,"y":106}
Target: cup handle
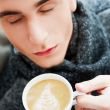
{"x":75,"y":94}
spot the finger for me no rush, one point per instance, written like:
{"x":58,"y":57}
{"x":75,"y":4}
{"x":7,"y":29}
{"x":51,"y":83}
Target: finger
{"x":100,"y":91}
{"x":97,"y":83}
{"x":106,"y":91}
{"x":78,"y":108}
{"x":94,"y":102}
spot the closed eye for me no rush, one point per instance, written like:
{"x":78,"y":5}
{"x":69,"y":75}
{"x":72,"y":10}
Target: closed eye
{"x":44,"y":11}
{"x":47,"y":8}
{"x":13,"y":19}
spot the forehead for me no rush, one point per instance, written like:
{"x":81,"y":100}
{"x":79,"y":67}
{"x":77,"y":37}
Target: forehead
{"x":22,"y":0}
{"x":20,"y":3}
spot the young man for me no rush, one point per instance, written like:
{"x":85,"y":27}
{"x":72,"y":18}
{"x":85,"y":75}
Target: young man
{"x":66,"y":37}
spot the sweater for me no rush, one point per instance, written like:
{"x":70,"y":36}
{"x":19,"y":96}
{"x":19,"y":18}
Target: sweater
{"x":87,"y":56}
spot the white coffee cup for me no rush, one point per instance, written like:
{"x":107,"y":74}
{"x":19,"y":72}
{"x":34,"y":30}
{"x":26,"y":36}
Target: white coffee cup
{"x":47,"y":76}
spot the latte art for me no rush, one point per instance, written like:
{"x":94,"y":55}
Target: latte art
{"x":47,"y":100}
{"x":48,"y":95}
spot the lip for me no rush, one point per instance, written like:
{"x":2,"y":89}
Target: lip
{"x":46,"y":52}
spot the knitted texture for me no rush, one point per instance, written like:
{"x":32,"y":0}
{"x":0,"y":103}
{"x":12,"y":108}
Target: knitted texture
{"x":88,"y":55}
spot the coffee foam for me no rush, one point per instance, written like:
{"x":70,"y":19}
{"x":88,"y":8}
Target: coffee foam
{"x":47,"y":100}
{"x":43,"y":89}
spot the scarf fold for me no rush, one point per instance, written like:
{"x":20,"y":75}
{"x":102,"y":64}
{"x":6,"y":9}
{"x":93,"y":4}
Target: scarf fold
{"x":88,"y":53}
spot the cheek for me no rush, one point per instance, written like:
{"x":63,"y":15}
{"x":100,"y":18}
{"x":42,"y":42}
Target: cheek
{"x":15,"y":34}
{"x":61,"y":25}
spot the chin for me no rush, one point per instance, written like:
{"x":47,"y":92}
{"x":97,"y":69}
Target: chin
{"x":47,"y":66}
{"x":50,"y":65}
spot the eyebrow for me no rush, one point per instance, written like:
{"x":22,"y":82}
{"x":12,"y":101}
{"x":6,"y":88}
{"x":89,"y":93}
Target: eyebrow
{"x":6,"y":13}
{"x":40,"y":2}
{"x":9,"y":12}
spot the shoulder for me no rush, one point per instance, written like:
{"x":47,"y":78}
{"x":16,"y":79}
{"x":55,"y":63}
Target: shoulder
{"x":101,"y":8}
{"x":96,"y":6}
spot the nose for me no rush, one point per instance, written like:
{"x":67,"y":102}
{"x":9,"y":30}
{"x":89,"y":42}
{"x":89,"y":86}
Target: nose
{"x":37,"y":33}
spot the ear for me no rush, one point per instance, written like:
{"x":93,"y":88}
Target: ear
{"x":73,"y":5}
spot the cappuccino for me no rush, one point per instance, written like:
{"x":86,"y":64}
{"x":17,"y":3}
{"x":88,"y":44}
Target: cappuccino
{"x":48,"y":94}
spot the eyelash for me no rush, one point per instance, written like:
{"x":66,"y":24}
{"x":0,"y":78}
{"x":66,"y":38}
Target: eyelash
{"x":16,"y":21}
{"x":43,"y":11}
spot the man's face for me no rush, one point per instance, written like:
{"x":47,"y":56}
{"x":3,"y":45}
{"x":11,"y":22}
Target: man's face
{"x":40,"y":29}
